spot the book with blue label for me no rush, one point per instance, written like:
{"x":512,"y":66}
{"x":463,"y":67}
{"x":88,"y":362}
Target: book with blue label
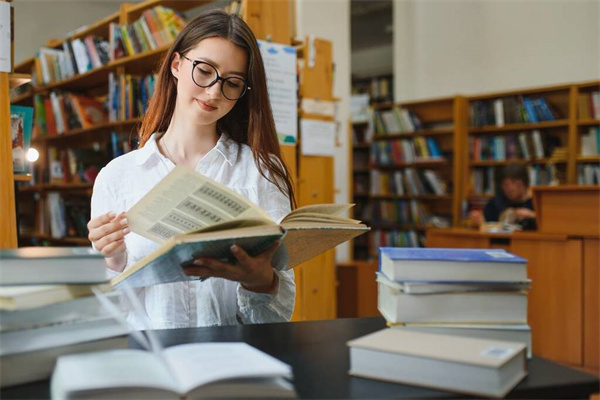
{"x":436,"y":264}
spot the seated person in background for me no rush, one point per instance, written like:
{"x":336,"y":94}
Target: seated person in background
{"x":513,"y":204}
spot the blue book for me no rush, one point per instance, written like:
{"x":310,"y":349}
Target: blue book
{"x":434,"y":264}
{"x":531,"y":115}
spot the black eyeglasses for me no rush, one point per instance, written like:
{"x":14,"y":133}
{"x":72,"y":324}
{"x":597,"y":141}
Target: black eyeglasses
{"x":205,"y":75}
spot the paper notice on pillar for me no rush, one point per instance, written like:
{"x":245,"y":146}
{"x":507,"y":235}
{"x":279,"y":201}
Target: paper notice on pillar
{"x":318,"y":137}
{"x":5,"y":37}
{"x":280,"y":67}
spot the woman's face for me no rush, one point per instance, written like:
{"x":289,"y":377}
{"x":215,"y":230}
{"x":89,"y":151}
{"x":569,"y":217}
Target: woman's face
{"x":206,"y":105}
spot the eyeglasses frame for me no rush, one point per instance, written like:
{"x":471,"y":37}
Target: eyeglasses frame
{"x":217,"y":79}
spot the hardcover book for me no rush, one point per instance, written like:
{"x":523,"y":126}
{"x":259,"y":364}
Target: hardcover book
{"x":193,"y":216}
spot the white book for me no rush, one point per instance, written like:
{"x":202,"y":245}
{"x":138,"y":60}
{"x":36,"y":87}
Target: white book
{"x":196,"y":370}
{"x":538,"y":145}
{"x":509,"y":333}
{"x":470,"y":307}
{"x":61,"y":312}
{"x":499,"y":112}
{"x":52,"y":265}
{"x":29,"y":355}
{"x":465,"y":365}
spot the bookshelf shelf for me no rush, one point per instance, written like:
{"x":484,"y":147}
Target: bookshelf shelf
{"x":56,"y":187}
{"x":416,"y":164}
{"x":362,"y":146}
{"x":104,"y":128}
{"x":15,"y":80}
{"x":24,"y":98}
{"x":561,"y":123}
{"x":408,"y":135}
{"x":23,"y":177}
{"x":588,"y":159}
{"x":491,"y":163}
{"x":589,"y":122}
{"x":360,"y":170}
{"x":424,"y":197}
{"x":73,"y":241}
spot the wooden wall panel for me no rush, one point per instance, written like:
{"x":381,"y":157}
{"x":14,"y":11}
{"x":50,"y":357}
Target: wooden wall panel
{"x":591,"y":303}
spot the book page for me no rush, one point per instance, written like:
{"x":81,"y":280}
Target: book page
{"x":185,"y":201}
{"x":197,"y":364}
{"x":113,"y":370}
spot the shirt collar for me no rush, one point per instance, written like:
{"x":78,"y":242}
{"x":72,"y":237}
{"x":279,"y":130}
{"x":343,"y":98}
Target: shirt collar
{"x":226,"y":147}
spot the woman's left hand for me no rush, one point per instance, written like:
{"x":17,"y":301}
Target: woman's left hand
{"x":254,"y":273}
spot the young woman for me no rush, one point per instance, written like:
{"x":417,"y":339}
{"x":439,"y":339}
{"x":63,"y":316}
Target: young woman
{"x":210,"y":112}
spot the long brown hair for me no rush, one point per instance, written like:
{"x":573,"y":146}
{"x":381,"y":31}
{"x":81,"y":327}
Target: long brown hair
{"x":251,"y":119}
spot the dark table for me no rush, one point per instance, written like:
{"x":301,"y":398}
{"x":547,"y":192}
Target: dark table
{"x":318,"y":354}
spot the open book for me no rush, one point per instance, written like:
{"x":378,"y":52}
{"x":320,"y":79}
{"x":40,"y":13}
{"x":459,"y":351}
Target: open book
{"x":193,"y":216}
{"x":195,"y":370}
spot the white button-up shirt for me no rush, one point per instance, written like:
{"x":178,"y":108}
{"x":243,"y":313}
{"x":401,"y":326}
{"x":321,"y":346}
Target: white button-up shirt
{"x":215,"y":301}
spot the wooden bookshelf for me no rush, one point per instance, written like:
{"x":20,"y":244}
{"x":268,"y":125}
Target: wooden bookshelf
{"x":441,"y":120}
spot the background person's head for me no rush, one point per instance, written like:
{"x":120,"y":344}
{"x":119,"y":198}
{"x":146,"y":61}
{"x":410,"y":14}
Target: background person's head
{"x":515,"y":182}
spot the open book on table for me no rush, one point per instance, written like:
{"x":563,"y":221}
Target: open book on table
{"x":196,"y":370}
{"x":193,"y":216}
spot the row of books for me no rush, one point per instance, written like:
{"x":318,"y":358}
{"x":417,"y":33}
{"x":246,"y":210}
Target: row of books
{"x":75,"y":165}
{"x":378,"y":88}
{"x":588,"y":174}
{"x":406,"y":151}
{"x":77,"y":56}
{"x":590,"y":142}
{"x":403,"y":212}
{"x":446,"y":305}
{"x":408,"y":181}
{"x":588,"y":105}
{"x":156,"y":28}
{"x":395,"y":238}
{"x":511,"y":110}
{"x":523,"y":145}
{"x":128,"y":95}
{"x":59,"y":113}
{"x":396,"y":120}
{"x":483,"y":179}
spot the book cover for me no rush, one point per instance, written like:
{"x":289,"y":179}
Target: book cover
{"x":461,"y":255}
{"x":21,"y":125}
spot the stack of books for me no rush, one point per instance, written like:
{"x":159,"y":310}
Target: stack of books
{"x":479,"y":293}
{"x":47,"y":308}
{"x":457,"y":321}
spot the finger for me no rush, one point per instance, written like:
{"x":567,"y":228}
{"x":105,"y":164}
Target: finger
{"x":113,"y":248}
{"x":203,"y":272}
{"x":241,"y":255}
{"x":111,"y":238}
{"x":213,"y":264}
{"x":108,"y":228}
{"x":101,"y":220}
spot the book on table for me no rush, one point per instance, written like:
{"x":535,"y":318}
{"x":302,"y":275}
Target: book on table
{"x":499,"y":307}
{"x":465,"y":365}
{"x":433,"y":264}
{"x":29,"y":355}
{"x":51,"y":265}
{"x":195,"y":370}
{"x":192,"y":216}
{"x":520,"y":333}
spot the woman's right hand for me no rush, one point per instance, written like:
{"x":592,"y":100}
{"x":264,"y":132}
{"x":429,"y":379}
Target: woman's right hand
{"x":107,"y":233}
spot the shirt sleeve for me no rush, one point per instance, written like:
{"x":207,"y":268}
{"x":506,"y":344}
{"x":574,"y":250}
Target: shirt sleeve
{"x":103,"y":201}
{"x":260,"y":307}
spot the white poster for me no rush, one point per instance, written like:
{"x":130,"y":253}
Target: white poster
{"x":280,"y":66}
{"x":4,"y":37}
{"x":318,"y":137}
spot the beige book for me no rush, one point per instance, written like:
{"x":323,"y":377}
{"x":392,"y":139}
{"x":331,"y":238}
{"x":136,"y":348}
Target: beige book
{"x":464,"y":365}
{"x":193,"y":216}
